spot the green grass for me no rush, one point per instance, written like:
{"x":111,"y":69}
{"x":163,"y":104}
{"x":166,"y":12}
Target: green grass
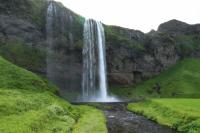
{"x":92,"y":121}
{"x":13,"y":77}
{"x":181,"y":80}
{"x":28,"y":105}
{"x":180,"y":114}
{"x":26,"y":111}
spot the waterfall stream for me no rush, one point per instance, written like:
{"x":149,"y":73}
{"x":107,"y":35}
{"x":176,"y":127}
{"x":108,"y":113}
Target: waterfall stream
{"x":49,"y":37}
{"x":102,"y":61}
{"x":94,"y":83}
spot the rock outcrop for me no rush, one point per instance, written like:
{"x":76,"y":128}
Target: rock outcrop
{"x":132,"y":56}
{"x":175,"y":28}
{"x":136,"y":56}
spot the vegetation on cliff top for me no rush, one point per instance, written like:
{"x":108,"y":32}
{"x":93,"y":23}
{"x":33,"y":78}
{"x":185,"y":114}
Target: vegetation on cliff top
{"x":180,"y":114}
{"x":114,"y":36}
{"x":181,"y":80}
{"x":28,"y":105}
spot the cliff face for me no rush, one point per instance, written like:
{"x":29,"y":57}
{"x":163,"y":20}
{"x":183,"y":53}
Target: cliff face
{"x":64,"y":58}
{"x":23,"y":40}
{"x":132,"y":56}
{"x":22,"y":33}
{"x":136,"y":56}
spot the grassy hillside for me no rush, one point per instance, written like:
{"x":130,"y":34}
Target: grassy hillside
{"x":13,"y":77}
{"x":181,"y":80}
{"x":28,"y":105}
{"x":180,"y":114}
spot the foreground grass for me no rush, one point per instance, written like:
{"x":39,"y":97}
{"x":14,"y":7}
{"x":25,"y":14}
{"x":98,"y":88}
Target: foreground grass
{"x":25,"y":111}
{"x":91,"y":121}
{"x":28,"y":105}
{"x":180,"y":114}
{"x":181,"y":80}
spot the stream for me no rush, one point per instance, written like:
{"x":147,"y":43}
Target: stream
{"x":120,"y":120}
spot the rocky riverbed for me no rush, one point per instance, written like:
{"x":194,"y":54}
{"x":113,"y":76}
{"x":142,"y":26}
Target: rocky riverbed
{"x":119,"y":120}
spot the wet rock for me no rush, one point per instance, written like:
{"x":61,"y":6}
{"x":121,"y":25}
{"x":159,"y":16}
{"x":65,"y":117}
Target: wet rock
{"x":120,"y":78}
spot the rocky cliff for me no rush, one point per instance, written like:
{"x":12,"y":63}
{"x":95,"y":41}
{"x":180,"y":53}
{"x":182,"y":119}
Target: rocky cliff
{"x":132,"y":56}
{"x":23,"y":40}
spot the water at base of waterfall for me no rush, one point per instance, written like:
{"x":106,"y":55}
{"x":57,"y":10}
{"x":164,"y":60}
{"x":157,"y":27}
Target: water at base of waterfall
{"x":99,"y":98}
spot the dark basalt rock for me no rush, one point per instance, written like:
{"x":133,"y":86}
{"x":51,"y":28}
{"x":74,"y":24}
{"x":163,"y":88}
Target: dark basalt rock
{"x":175,"y":27}
{"x":128,"y":65}
{"x":13,"y":27}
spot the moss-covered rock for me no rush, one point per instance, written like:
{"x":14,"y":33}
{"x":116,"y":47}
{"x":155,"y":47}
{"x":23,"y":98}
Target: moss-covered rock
{"x":26,"y":56}
{"x":188,"y":45}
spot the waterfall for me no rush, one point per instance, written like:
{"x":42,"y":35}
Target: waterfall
{"x":102,"y":61}
{"x":89,"y":61}
{"x":49,"y":36}
{"x":94,"y":82}
{"x":62,"y":65}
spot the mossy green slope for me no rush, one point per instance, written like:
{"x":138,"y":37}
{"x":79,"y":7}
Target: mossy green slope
{"x":28,"y":105}
{"x":181,"y":80}
{"x":180,"y":114}
{"x":13,"y":77}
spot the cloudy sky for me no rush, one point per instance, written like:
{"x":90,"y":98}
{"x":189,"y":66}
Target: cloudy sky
{"x":142,"y":15}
